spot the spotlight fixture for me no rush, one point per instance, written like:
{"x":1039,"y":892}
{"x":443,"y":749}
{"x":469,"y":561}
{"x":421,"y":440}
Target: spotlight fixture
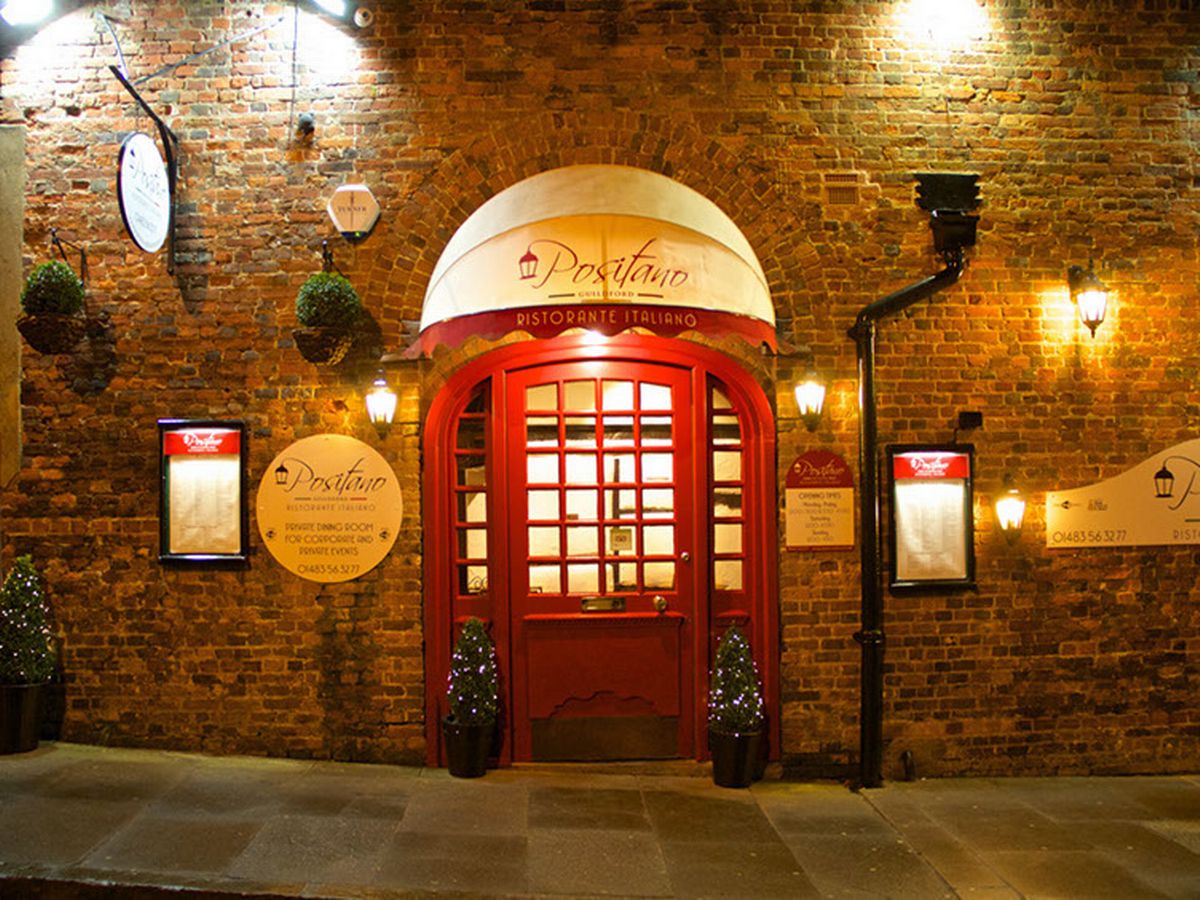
{"x":19,"y":13}
{"x":345,"y":12}
{"x":1089,"y":294}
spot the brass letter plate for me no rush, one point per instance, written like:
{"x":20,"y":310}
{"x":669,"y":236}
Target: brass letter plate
{"x":602,"y":604}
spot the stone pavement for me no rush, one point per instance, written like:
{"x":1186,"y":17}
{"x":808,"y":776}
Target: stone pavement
{"x":81,"y":821}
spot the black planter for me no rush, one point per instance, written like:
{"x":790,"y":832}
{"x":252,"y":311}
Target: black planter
{"x":52,"y":332}
{"x":467,"y":747}
{"x":20,"y":717}
{"x":735,"y":757}
{"x":324,"y":346}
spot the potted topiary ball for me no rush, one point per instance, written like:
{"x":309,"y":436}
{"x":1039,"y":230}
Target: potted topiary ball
{"x":52,"y":301}
{"x":26,"y":657}
{"x":473,"y":697}
{"x":735,"y":712}
{"x":328,"y":308}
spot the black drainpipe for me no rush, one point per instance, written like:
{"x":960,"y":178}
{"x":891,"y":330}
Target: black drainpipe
{"x":947,"y":197}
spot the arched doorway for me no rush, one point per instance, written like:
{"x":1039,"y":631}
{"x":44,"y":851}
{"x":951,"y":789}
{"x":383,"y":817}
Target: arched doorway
{"x":608,"y":510}
{"x":604,"y":500}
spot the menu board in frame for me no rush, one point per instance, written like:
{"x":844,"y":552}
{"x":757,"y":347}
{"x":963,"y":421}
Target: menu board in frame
{"x":202,"y":512}
{"x":932,"y":515}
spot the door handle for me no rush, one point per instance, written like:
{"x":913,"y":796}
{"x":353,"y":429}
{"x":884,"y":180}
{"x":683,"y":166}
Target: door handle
{"x":660,"y":603}
{"x":685,"y":556}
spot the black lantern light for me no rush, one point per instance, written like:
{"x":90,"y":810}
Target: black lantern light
{"x":281,"y":474}
{"x":810,"y":399}
{"x":1089,"y":294}
{"x":381,"y":404}
{"x":1010,"y":511}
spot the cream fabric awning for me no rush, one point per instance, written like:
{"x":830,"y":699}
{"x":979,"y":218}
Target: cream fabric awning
{"x":598,"y":236}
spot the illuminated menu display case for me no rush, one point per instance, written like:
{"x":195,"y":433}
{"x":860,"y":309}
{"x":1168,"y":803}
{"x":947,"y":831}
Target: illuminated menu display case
{"x":202,"y":476}
{"x":931,"y":513}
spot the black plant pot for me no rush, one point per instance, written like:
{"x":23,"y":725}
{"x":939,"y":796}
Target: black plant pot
{"x":20,"y":717}
{"x":467,"y":747}
{"x":735,"y":757}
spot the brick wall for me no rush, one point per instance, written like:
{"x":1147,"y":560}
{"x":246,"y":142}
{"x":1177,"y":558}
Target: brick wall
{"x":1079,"y":118}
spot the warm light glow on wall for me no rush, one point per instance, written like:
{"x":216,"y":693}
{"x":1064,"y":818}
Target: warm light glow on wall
{"x":327,"y":51}
{"x":944,"y":24}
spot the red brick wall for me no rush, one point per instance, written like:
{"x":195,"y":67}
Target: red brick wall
{"x":1079,"y":118}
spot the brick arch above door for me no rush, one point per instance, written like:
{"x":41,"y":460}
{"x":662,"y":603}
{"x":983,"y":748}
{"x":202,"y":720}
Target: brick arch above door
{"x":776,"y":224}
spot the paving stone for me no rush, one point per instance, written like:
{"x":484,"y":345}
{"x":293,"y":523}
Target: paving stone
{"x":591,"y":809}
{"x":881,"y":865}
{"x":316,"y":849}
{"x":578,"y":861}
{"x":707,"y":817}
{"x":1070,"y":873}
{"x":735,"y":869}
{"x":468,"y":806}
{"x":488,"y":864}
{"x":154,"y":843}
{"x":53,"y":831}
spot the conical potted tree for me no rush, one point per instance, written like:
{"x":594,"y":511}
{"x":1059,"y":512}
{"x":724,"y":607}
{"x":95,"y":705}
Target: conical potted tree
{"x":472,"y":694}
{"x":328,"y":308}
{"x":26,"y":657}
{"x":735,"y":712}
{"x":52,"y":303}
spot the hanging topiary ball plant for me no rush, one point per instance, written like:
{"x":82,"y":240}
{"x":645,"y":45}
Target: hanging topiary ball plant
{"x":328,"y":300}
{"x":52,"y":287}
{"x":472,"y":683}
{"x":26,"y":651}
{"x":735,"y":703}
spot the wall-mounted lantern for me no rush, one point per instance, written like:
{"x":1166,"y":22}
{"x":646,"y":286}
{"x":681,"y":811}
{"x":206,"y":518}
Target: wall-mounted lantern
{"x":1010,"y":512}
{"x":810,"y":399}
{"x":381,"y":404}
{"x":1164,"y":483}
{"x":1089,"y":294}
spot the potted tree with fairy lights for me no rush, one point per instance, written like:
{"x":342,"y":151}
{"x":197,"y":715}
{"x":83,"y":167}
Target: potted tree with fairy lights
{"x":26,"y":657}
{"x":472,"y":694}
{"x":735,"y":712}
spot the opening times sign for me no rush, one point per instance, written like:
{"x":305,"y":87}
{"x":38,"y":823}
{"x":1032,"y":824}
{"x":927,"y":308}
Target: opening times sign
{"x":329,"y":508}
{"x":819,"y":498}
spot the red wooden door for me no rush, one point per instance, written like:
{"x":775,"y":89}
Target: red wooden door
{"x":600,"y":493}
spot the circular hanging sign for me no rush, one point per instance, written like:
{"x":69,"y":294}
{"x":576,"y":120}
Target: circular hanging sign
{"x":329,"y":508}
{"x":143,"y":191}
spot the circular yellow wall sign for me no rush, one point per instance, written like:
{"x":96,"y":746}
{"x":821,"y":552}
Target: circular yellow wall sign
{"x":329,"y":508}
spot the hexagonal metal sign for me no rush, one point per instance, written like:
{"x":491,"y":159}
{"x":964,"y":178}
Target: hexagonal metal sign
{"x":354,"y":211}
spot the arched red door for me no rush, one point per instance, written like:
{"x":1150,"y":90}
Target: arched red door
{"x":608,"y":516}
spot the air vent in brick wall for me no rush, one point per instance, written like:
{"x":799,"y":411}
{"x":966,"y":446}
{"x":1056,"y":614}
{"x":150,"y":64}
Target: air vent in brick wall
{"x":841,"y":188}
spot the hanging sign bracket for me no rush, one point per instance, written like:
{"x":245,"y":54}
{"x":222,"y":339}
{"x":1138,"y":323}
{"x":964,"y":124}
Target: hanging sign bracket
{"x":170,"y":147}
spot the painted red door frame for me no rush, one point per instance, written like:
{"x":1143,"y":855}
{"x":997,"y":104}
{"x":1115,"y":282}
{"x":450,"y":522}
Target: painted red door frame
{"x":438,"y":516}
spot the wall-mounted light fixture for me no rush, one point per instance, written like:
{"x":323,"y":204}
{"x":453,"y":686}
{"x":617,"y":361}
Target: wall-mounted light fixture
{"x":381,"y":404}
{"x":810,"y":399}
{"x":1089,"y":294}
{"x":345,"y":11}
{"x":18,"y":13}
{"x":1010,"y":511}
